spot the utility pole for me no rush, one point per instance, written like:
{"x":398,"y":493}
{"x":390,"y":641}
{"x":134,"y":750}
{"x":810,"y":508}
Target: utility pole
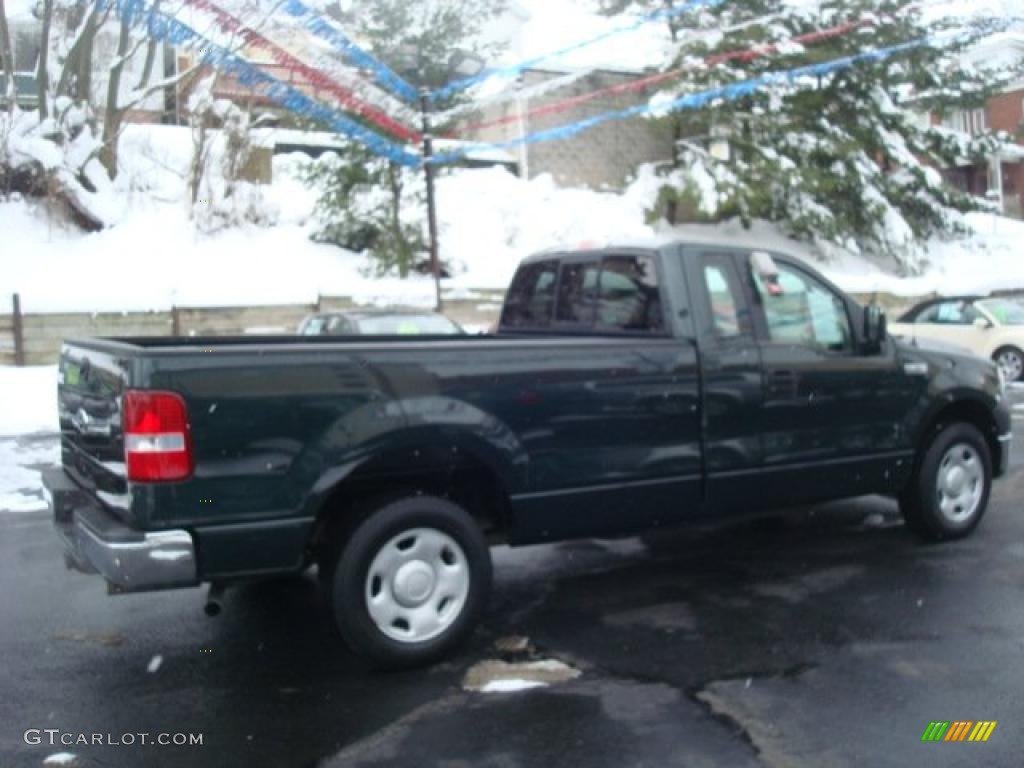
{"x":461,"y":64}
{"x":428,"y":170}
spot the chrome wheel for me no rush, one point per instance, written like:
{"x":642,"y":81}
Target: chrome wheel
{"x":417,"y":585}
{"x":961,"y":483}
{"x":1011,"y":363}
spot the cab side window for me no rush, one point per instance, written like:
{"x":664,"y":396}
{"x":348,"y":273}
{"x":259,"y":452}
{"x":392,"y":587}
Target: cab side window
{"x":628,"y":297}
{"x":722,"y":287}
{"x":531,"y":297}
{"x":577,"y":293}
{"x":313,"y":326}
{"x":800,"y":310}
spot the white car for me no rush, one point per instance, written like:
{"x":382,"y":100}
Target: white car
{"x":990,"y":328}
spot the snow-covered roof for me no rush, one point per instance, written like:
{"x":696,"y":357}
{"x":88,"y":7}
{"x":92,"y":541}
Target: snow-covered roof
{"x":1005,"y":49}
{"x":270,"y":137}
{"x":487,"y":155}
{"x":725,"y":234}
{"x":274,"y":137}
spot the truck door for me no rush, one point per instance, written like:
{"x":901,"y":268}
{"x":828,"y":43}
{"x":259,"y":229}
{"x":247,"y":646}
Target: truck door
{"x":831,"y":423}
{"x":731,"y":379}
{"x":608,"y":413}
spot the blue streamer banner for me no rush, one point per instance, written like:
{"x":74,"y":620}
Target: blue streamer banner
{"x":517,"y":69}
{"x":323,"y":29}
{"x":162,"y":27}
{"x":689,"y":101}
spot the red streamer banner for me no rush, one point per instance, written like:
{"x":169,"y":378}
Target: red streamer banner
{"x":745,"y":55}
{"x":233,"y":25}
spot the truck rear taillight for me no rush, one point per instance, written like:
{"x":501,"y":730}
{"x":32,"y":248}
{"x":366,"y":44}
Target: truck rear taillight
{"x":157,"y":442}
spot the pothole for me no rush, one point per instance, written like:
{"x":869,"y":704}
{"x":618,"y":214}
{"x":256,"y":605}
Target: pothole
{"x":519,"y":670}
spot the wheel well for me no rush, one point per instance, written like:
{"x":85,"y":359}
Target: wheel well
{"x":970,"y":412}
{"x":445,"y":471}
{"x":1005,"y":347}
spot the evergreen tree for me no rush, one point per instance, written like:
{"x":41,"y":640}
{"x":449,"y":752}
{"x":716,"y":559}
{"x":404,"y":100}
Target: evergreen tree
{"x":848,"y":159}
{"x":368,"y":203}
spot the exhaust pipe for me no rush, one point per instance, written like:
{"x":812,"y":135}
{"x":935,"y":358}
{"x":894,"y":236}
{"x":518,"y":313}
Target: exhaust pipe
{"x":214,"y":600}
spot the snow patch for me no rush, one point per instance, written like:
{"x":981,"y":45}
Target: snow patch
{"x":61,"y":758}
{"x":495,"y":676}
{"x":154,"y":664}
{"x":511,"y":685}
{"x":21,"y":487}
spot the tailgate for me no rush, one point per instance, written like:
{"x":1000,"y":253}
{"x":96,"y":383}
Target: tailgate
{"x":90,"y":385}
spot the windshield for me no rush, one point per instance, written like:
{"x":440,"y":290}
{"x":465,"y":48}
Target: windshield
{"x":1005,"y":312}
{"x":406,"y":325}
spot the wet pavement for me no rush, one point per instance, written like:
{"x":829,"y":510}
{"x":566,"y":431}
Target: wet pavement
{"x":830,"y":638}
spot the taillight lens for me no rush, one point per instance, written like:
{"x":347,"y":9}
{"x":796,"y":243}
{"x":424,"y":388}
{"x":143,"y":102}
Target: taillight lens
{"x":157,"y":442}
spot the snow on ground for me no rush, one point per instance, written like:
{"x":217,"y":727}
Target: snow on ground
{"x":28,"y":407}
{"x":511,"y":685}
{"x":28,"y":403}
{"x":154,"y":258}
{"x":490,"y":220}
{"x":20,"y":462}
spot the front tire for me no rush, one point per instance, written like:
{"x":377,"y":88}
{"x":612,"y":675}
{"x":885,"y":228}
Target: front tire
{"x":1011,"y":361}
{"x":411,"y":582}
{"x":948,"y":496}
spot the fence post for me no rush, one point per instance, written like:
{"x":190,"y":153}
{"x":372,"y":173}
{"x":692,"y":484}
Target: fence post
{"x":319,"y":304}
{"x":19,"y":333}
{"x":175,"y":322}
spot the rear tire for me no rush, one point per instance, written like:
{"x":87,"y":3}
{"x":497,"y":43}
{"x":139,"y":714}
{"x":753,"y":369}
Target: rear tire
{"x":1011,"y":361}
{"x":410,"y":582}
{"x":949,"y":493}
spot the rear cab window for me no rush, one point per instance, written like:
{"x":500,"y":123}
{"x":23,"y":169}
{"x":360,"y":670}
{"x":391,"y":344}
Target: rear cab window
{"x":603,"y":294}
{"x":629,"y":295}
{"x":531,"y":297}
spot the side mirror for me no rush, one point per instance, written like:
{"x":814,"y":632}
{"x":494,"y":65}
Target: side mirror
{"x":982,"y":323}
{"x":875,"y":328}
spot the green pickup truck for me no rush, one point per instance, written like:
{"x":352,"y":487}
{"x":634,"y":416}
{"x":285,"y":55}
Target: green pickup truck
{"x":626,"y":388}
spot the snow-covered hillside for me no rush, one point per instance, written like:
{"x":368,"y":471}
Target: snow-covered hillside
{"x":154,"y":258}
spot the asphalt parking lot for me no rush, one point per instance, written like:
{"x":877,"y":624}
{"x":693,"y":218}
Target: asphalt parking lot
{"x":831,"y":639}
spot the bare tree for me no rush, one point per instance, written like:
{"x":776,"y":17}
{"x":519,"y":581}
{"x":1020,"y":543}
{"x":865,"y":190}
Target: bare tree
{"x":42,"y":74}
{"x":76,"y":75}
{"x":6,"y":59}
{"x":151,"y":49}
{"x":114,"y":114}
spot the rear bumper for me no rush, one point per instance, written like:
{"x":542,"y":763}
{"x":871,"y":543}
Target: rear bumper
{"x":97,"y":542}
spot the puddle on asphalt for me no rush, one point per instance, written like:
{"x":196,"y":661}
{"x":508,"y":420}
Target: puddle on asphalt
{"x":518,"y":671}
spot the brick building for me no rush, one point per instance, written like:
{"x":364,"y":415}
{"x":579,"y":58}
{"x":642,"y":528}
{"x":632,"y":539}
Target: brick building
{"x":603,"y":156}
{"x":1002,"y":178}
